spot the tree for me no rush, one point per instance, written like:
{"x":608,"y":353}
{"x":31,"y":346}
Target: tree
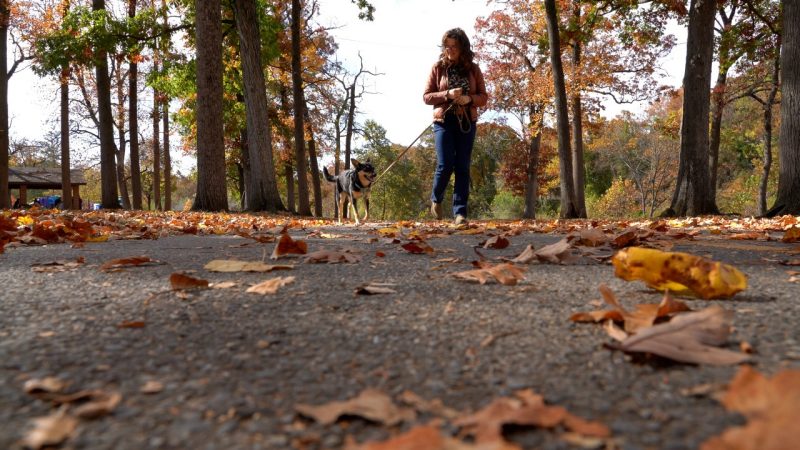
{"x":133,"y":119}
{"x":262,"y":187}
{"x":693,"y":189}
{"x":211,"y":193}
{"x":568,"y":206}
{"x":788,"y":199}
{"x":303,"y":206}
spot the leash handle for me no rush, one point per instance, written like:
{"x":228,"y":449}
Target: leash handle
{"x":401,"y":154}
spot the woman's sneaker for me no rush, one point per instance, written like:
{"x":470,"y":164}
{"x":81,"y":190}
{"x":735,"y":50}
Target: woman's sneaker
{"x":460,"y":220}
{"x":436,"y":210}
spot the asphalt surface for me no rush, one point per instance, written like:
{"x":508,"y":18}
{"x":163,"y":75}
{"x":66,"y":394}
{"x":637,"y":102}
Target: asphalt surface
{"x":233,"y":365}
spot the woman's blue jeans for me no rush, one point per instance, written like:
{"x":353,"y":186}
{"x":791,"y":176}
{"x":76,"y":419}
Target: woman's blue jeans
{"x":453,"y":154}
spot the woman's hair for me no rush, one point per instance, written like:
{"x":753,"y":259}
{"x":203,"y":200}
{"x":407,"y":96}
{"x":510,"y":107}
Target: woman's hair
{"x":466,"y":56}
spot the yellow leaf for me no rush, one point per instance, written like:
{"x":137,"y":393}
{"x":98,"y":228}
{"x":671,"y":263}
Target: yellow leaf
{"x":25,"y":220}
{"x":98,"y":238}
{"x":679,"y":272}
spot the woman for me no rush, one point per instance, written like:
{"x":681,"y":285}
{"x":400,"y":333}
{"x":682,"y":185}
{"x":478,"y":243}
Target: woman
{"x":455,"y":89}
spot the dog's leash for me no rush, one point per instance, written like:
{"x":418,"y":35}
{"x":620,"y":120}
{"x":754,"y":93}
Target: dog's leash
{"x":411,"y":145}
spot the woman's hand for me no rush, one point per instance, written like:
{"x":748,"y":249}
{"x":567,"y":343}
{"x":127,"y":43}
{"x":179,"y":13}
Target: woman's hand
{"x":453,"y":94}
{"x":464,"y":100}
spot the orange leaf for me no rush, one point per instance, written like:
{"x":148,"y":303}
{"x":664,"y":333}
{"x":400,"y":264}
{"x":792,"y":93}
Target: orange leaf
{"x":371,"y":404}
{"x":270,"y":286}
{"x":180,"y":281}
{"x":126,"y":262}
{"x":791,"y":235}
{"x":131,"y":324}
{"x":496,"y":242}
{"x":286,"y":245}
{"x":418,"y":247}
{"x":507,"y":274}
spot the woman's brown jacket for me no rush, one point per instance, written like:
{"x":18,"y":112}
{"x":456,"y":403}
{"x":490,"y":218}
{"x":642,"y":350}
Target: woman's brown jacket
{"x":436,"y":91}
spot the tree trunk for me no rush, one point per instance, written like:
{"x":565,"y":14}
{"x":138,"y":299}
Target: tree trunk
{"x":165,"y":44}
{"x":693,"y":188}
{"x":5,"y":195}
{"x":578,"y":168}
{"x":312,"y":158}
{"x":289,"y":173}
{"x":108,"y":169}
{"x":133,"y":126}
{"x":303,"y":207}
{"x":157,"y":150}
{"x":263,"y":187}
{"x":532,"y":183}
{"x":717,"y":107}
{"x":211,"y":191}
{"x":348,"y":136}
{"x":121,"y":144}
{"x":67,"y":201}
{"x":761,"y":201}
{"x":244,"y":168}
{"x":568,"y":206}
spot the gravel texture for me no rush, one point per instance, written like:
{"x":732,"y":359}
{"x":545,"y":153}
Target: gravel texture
{"x":234,"y":364}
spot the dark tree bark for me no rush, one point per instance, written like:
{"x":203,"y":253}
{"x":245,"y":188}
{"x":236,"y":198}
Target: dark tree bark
{"x":578,"y":167}
{"x":348,"y":134}
{"x":133,"y":126}
{"x":312,"y":158}
{"x":244,"y":167}
{"x":767,"y":105}
{"x":66,"y":177}
{"x":167,"y":159}
{"x":157,"y":150}
{"x":121,"y":142}
{"x":693,"y":188}
{"x":5,"y":197}
{"x":108,"y":169}
{"x":303,"y":207}
{"x":532,"y":184}
{"x":788,"y":199}
{"x":288,"y":172}
{"x":211,"y":192}
{"x":569,"y":208}
{"x":262,"y":189}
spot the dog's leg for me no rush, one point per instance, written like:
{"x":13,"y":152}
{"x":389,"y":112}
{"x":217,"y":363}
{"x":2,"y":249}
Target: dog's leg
{"x":340,"y":202}
{"x":354,"y":209}
{"x":366,"y":206}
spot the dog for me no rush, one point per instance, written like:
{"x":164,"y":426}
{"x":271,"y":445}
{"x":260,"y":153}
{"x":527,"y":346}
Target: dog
{"x":351,"y":185}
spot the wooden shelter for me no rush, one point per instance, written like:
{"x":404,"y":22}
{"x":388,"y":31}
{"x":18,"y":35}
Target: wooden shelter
{"x":24,"y":178}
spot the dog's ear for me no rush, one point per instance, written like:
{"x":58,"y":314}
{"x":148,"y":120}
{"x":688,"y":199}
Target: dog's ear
{"x":355,"y":163}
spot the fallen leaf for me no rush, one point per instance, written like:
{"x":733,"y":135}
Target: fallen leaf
{"x":375,"y":288}
{"x":131,"y":324}
{"x":507,"y":274}
{"x":286,"y":245}
{"x":332,"y":257}
{"x":418,"y":247}
{"x":222,"y":285}
{"x":58,"y":266}
{"x":495,"y":242}
{"x":591,"y":237}
{"x":50,"y":430}
{"x":791,"y":235}
{"x":230,"y":265}
{"x":152,"y":387}
{"x":379,"y":254}
{"x":100,"y":404}
{"x":643,"y":316}
{"x":370,"y":404}
{"x":270,"y":286}
{"x":46,"y":385}
{"x":691,"y":338}
{"x":771,"y":407}
{"x":180,"y":281}
{"x":679,"y":272}
{"x":434,"y":407}
{"x":122,"y":263}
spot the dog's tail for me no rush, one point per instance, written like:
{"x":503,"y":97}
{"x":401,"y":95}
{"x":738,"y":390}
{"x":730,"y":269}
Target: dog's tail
{"x":327,"y":175}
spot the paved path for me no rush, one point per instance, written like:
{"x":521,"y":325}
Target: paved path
{"x":233,"y":365}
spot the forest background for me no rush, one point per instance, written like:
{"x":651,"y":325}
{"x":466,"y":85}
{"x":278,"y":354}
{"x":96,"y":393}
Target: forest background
{"x":611,"y":50}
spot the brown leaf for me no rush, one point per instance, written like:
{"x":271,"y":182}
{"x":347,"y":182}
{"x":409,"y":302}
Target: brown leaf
{"x":100,"y":404}
{"x":690,"y":338}
{"x":270,"y":286}
{"x":332,"y":257}
{"x":131,"y":324}
{"x":558,"y":253}
{"x":58,"y":266}
{"x":791,"y":235}
{"x":46,"y":385}
{"x":642,"y":317}
{"x":418,"y":247}
{"x":222,"y":285}
{"x":527,"y":255}
{"x":495,"y":242}
{"x":772,"y":409}
{"x":152,"y":387}
{"x":50,"y":430}
{"x":122,"y":263}
{"x":507,"y":274}
{"x":370,"y":404}
{"x":591,"y":237}
{"x":375,"y":288}
{"x":286,"y":245}
{"x":180,"y":281}
{"x":434,"y":407}
{"x":230,"y":265}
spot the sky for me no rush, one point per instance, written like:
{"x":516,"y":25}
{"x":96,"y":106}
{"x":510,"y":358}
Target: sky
{"x":401,"y":43}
